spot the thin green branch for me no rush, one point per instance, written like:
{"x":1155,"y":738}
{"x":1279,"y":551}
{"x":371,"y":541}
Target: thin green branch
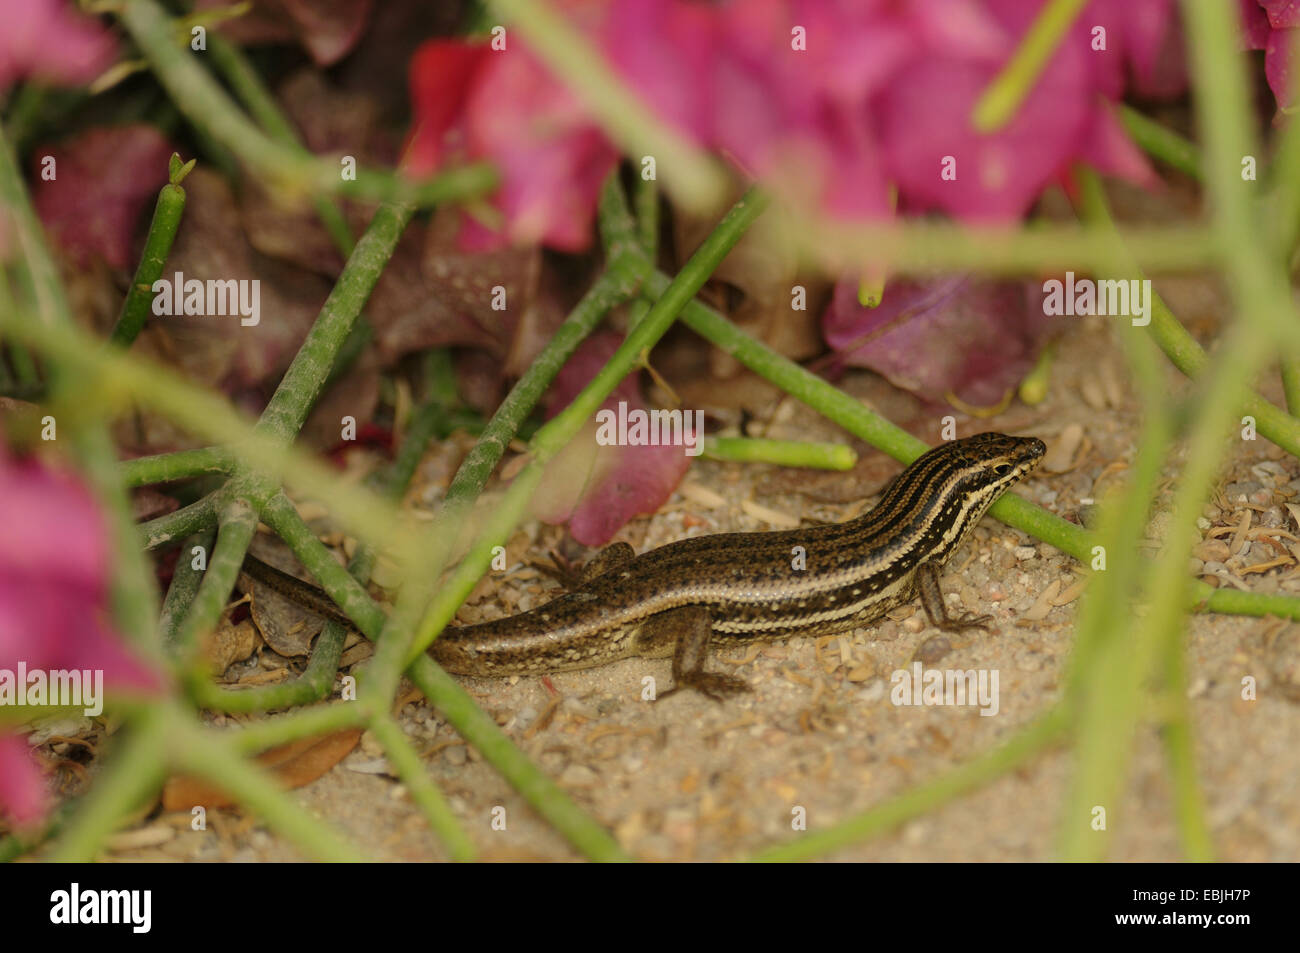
{"x":255,"y":737}
{"x":933,"y":247}
{"x":129,"y":777}
{"x":179,"y":465}
{"x":424,"y":793}
{"x":785,"y":453}
{"x":213,"y":758}
{"x":188,"y":520}
{"x":545,"y":796}
{"x":927,"y":796}
{"x":166,"y":220}
{"x":1161,"y":142}
{"x":237,"y":522}
{"x":186,"y":578}
{"x":998,"y":103}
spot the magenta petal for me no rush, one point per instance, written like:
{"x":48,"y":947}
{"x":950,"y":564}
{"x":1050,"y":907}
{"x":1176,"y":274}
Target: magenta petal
{"x":1108,"y":148}
{"x":1282,"y":14}
{"x":1255,"y":24}
{"x":552,"y":157}
{"x":54,"y":579}
{"x":925,"y":117}
{"x":598,"y":489}
{"x":961,"y":335}
{"x":640,"y":482}
{"x":23,"y":798}
{"x":1277,"y":66}
{"x":107,"y":177}
{"x":49,"y":41}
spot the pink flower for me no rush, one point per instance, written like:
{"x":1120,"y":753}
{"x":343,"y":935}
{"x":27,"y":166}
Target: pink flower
{"x":839,"y":104}
{"x":1270,"y":25}
{"x":472,"y":102}
{"x":47,"y":41}
{"x":54,"y":599}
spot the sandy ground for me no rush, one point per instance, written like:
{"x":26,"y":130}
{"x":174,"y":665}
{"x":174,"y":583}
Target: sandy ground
{"x":690,"y":779}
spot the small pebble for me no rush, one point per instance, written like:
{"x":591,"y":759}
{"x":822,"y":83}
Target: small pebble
{"x":579,"y":776}
{"x":932,"y":649}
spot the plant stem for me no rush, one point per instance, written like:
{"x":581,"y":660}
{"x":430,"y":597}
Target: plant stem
{"x":162,"y":232}
{"x":926,"y":796}
{"x":998,"y":103}
{"x":129,"y":777}
{"x":208,"y":756}
{"x":423,"y":791}
{"x":179,"y":465}
{"x":545,"y":796}
{"x":785,"y":453}
{"x":197,"y":516}
{"x":1161,"y":141}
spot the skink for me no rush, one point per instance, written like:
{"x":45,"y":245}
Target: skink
{"x":736,"y":588}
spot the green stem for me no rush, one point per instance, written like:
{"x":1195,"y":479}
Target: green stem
{"x":162,"y":232}
{"x":646,"y":199}
{"x":266,"y":733}
{"x":237,"y":523}
{"x":545,"y":796}
{"x":180,"y":465}
{"x":188,"y":520}
{"x":1291,"y":384}
{"x":204,"y":754}
{"x":303,"y":381}
{"x":1180,"y":750}
{"x":785,"y":453}
{"x":423,"y":791}
{"x":923,"y":247}
{"x":924,"y":797}
{"x":184,"y":588}
{"x":998,"y":103}
{"x":1161,"y":142}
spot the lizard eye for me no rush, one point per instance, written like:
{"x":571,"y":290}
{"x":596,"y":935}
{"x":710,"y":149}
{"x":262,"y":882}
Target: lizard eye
{"x":1002,"y":469}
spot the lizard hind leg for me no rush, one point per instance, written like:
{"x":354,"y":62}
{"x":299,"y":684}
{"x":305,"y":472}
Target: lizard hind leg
{"x":571,"y":578}
{"x":684,"y":633}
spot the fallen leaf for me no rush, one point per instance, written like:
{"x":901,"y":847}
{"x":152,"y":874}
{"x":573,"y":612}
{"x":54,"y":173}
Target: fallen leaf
{"x":959,"y":334}
{"x":104,"y":181}
{"x":294,"y":764}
